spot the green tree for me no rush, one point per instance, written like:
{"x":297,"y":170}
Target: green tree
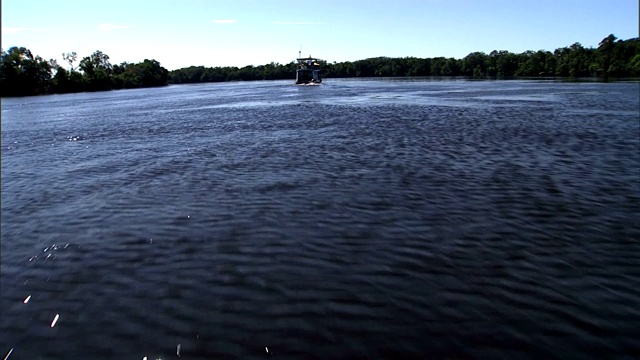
{"x":70,"y":58}
{"x":504,"y":63}
{"x":574,"y":61}
{"x":474,"y":64}
{"x":605,"y":55}
{"x":534,"y":63}
{"x":97,"y":70}
{"x":152,"y":74}
{"x":418,"y":67}
{"x":22,"y":74}
{"x":633,"y":67}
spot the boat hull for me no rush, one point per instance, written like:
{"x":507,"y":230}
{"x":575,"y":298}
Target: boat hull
{"x":308,"y":76}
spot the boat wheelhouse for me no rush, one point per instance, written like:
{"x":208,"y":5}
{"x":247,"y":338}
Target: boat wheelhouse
{"x":308,"y":71}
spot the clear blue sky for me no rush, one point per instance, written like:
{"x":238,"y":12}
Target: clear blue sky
{"x":181,"y":33}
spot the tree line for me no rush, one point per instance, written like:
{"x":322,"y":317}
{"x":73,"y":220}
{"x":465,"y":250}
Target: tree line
{"x":613,"y":58}
{"x":23,"y":74}
{"x":198,"y":74}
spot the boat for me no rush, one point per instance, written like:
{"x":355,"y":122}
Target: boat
{"x":308,"y":71}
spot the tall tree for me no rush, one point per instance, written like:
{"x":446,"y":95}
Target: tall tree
{"x":70,"y":58}
{"x":97,"y":70}
{"x":604,"y":55}
{"x":21,"y":73}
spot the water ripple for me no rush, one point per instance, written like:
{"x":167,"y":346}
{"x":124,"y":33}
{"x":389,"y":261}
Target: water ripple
{"x":357,"y":219}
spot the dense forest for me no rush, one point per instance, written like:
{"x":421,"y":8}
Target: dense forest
{"x":22,"y":73}
{"x":613,"y":58}
{"x":616,"y":59}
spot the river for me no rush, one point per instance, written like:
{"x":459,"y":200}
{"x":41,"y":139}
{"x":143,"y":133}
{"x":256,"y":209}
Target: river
{"x":375,"y":218}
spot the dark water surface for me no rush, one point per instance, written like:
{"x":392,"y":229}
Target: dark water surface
{"x":369,"y":219}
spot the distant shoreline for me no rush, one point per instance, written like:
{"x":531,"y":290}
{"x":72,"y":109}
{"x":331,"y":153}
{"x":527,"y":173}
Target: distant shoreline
{"x":23,"y":74}
{"x":612,"y":59}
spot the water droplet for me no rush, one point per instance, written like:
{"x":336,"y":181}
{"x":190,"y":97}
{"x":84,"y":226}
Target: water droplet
{"x":55,"y":320}
{"x":26,"y":300}
{"x":266,"y":349}
{"x":8,"y":354}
